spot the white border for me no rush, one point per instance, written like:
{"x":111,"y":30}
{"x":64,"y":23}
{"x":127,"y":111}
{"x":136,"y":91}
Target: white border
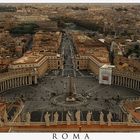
{"x":69,"y":136}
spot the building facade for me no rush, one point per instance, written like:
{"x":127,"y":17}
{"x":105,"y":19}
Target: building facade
{"x":17,"y":78}
{"x":41,"y":62}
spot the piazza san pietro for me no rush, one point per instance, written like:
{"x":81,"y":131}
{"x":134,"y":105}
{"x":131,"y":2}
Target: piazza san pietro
{"x":69,"y":67}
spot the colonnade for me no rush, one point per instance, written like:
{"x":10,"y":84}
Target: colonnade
{"x":17,"y":80}
{"x":126,"y":82}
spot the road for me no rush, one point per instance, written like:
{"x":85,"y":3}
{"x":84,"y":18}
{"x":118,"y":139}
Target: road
{"x":68,"y":56}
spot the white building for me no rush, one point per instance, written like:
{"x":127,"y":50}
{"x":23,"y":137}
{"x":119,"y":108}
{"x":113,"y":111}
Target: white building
{"x":105,"y":74}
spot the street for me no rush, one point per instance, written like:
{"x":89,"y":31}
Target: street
{"x":68,"y":54}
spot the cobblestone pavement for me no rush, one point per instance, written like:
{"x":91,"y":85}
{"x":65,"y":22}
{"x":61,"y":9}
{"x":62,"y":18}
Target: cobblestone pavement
{"x":38,"y":98}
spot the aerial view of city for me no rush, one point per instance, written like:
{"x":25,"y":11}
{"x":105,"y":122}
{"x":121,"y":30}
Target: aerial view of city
{"x":69,"y":68}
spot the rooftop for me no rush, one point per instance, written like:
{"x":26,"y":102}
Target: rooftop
{"x":49,"y":41}
{"x":131,"y":106}
{"x":86,"y":45}
{"x":29,"y":57}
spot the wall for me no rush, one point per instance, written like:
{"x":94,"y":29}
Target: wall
{"x":18,"y":78}
{"x":126,"y":79}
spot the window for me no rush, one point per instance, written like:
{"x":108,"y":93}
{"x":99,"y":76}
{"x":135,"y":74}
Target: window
{"x":58,"y":63}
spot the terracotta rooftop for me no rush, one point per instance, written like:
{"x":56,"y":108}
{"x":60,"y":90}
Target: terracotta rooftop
{"x":31,"y":57}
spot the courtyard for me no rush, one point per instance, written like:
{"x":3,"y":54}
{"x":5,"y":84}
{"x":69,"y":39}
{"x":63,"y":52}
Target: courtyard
{"x":50,"y":94}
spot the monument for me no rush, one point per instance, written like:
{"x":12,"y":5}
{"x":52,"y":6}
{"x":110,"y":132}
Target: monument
{"x":109,"y":117}
{"x":68,"y":118}
{"x":5,"y":117}
{"x":101,"y":118}
{"x":129,"y":119}
{"x":47,"y":119}
{"x":1,"y":123}
{"x":88,"y":117}
{"x":77,"y":116}
{"x":28,"y":118}
{"x":56,"y":118}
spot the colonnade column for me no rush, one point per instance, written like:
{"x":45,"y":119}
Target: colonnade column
{"x":4,"y":85}
{"x":138,"y":85}
{"x":30,"y":80}
{"x":112,"y":82}
{"x":23,"y":81}
{"x":134,"y":84}
{"x":26,"y":80}
{"x":118,"y":82}
{"x":1,"y":87}
{"x":115,"y":79}
{"x":35,"y":79}
{"x":129,"y":82}
{"x":20,"y":82}
{"x":10,"y":83}
{"x":17,"y":81}
{"x":123,"y":81}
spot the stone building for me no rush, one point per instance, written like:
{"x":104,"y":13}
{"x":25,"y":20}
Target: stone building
{"x":41,"y":62}
{"x":91,"y":53}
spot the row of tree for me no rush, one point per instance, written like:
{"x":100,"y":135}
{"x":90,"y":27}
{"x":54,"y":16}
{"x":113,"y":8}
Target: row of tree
{"x":135,"y":49}
{"x":24,"y":28}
